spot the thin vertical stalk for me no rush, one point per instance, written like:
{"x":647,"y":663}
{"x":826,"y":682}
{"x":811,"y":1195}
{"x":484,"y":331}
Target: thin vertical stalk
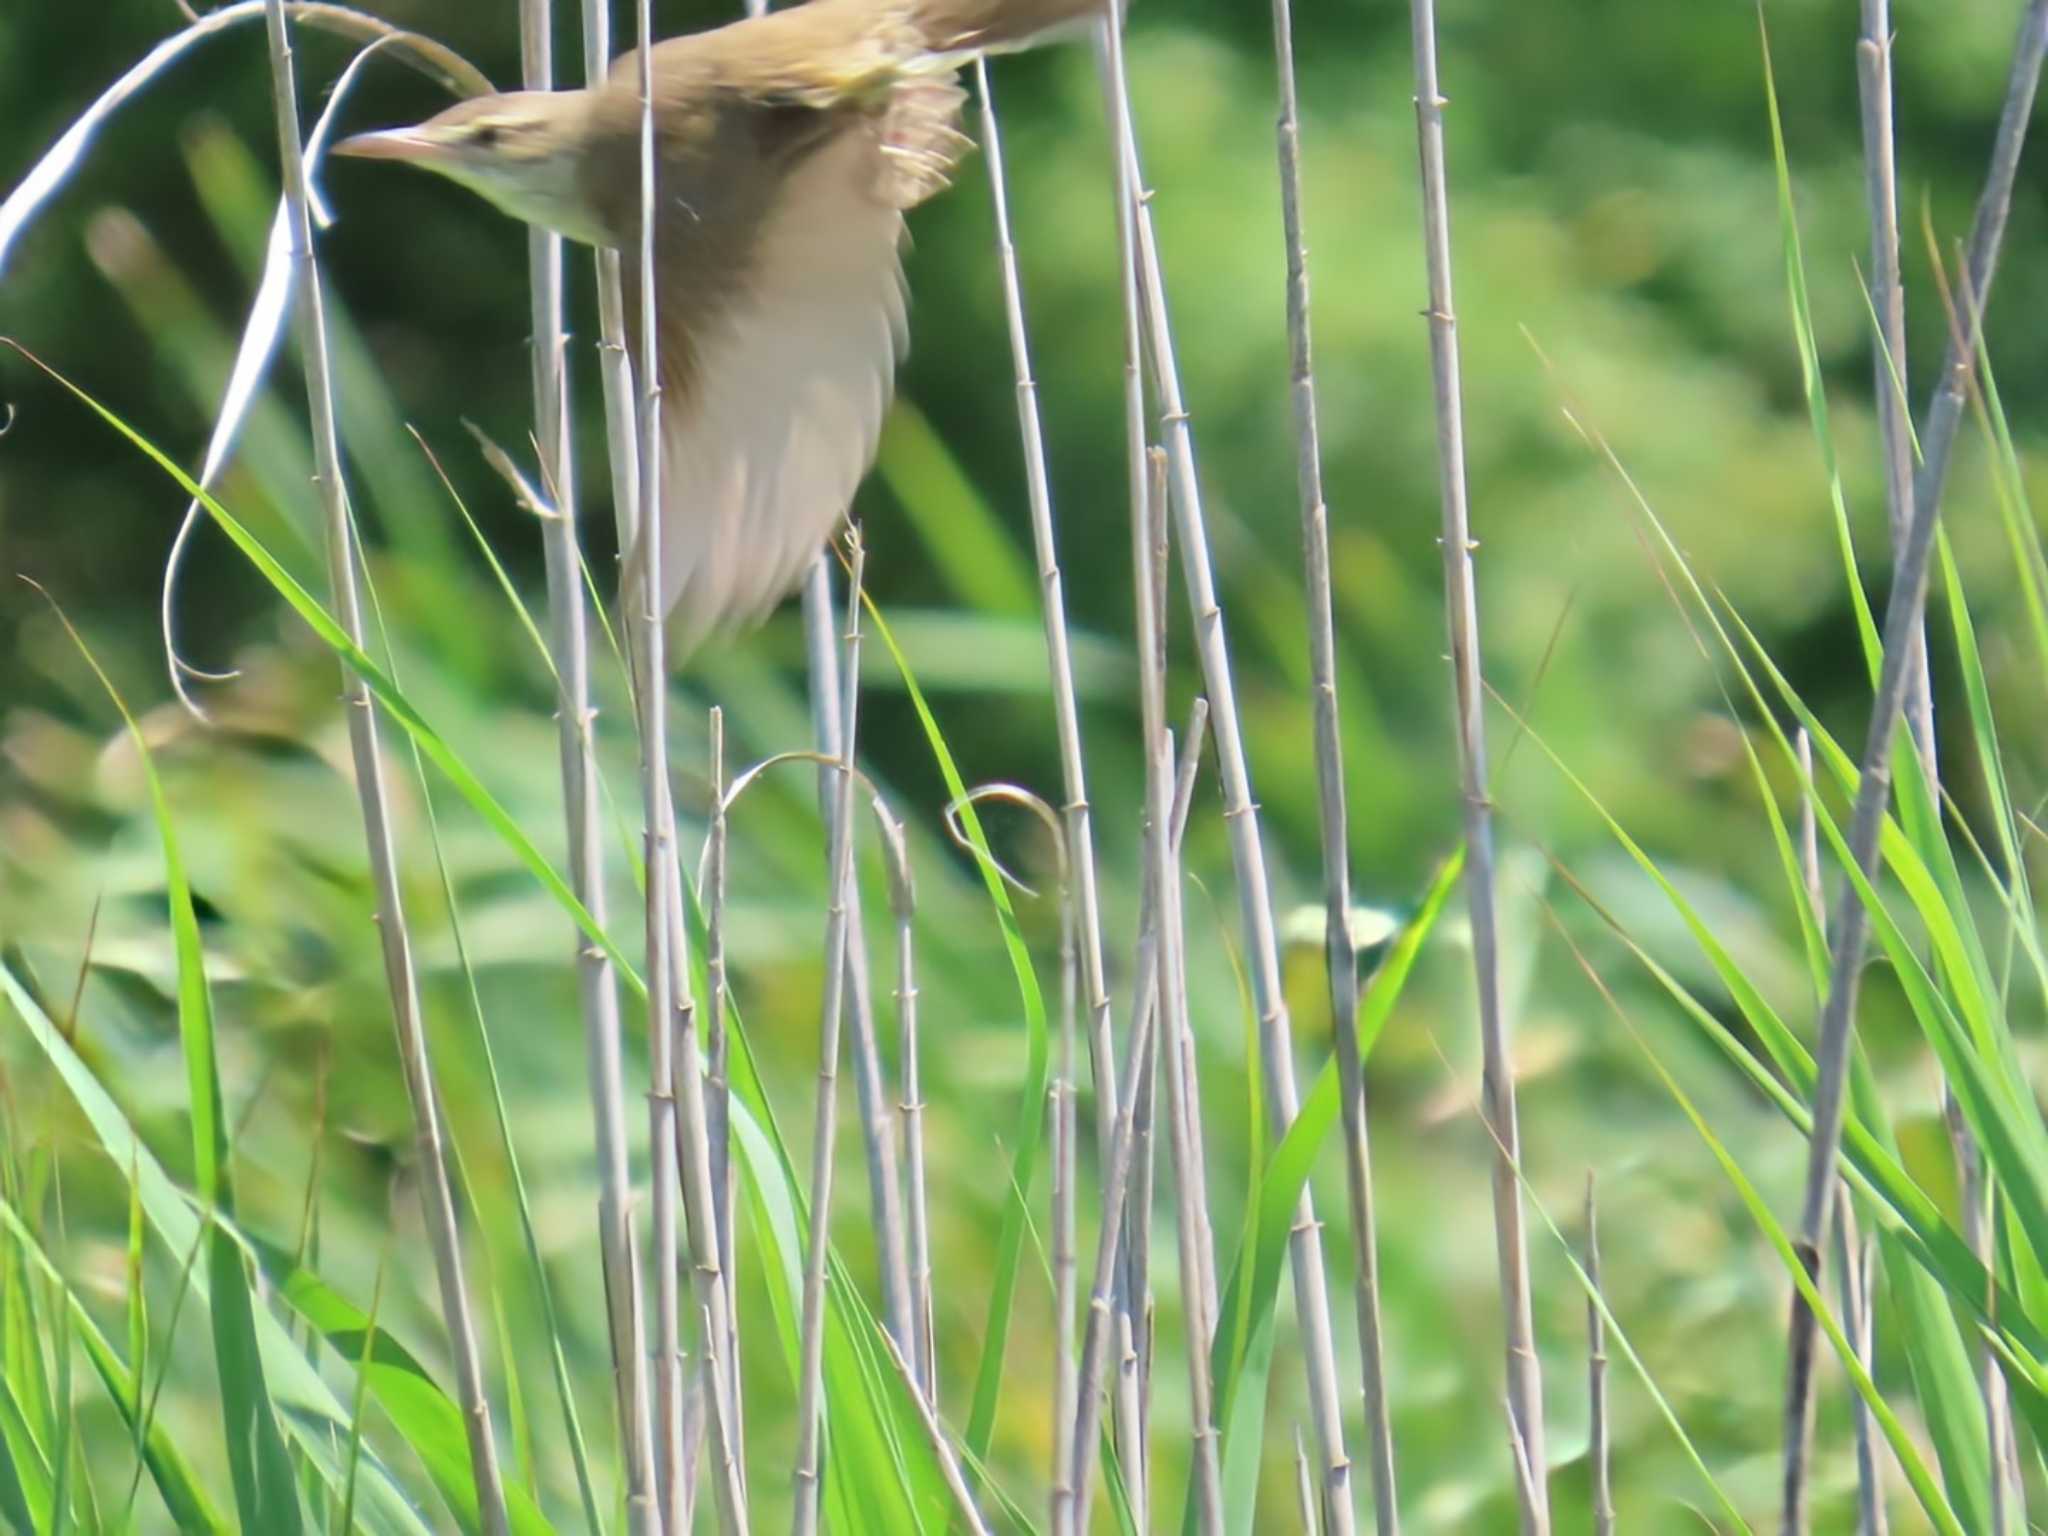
{"x":821,"y":641}
{"x":1128,"y":1415}
{"x":899,"y":1306}
{"x":811,"y":1343}
{"x":1340,"y":952}
{"x":1870,"y":1482}
{"x":597,"y":989}
{"x":1105,"y":1314}
{"x":718,"y":1047}
{"x":1103,"y":1311}
{"x":1305,"y":1487}
{"x":1904,"y":616}
{"x":681,"y":1144}
{"x":1857,"y":1298}
{"x":623,"y":1292}
{"x":1497,"y":1102}
{"x":1858,"y":1325}
{"x":1075,"y":815}
{"x":436,"y":1195}
{"x":1183,"y":1110}
{"x":1065,"y":1249}
{"x":661,"y":854}
{"x":923,"y":1359}
{"x":1888,"y":300}
{"x":1305,"y":1245}
{"x":1162,"y":983}
{"x":1874,"y":77}
{"x":1599,"y":1452}
{"x":1172,"y":977}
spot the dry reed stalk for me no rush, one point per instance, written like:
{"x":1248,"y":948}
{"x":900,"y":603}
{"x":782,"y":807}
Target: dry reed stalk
{"x":1904,"y":616}
{"x":1856,"y":1295}
{"x":1599,"y":1451}
{"x":1889,"y":364}
{"x":878,"y":1145}
{"x":624,"y":1297}
{"x":1065,"y":1248}
{"x":1184,"y":1125}
{"x":1305,"y":1247}
{"x":1077,"y":829}
{"x":1341,"y":953}
{"x":1304,"y":1487}
{"x":1105,"y":1314}
{"x":924,"y":1364}
{"x":1888,"y":301}
{"x":1103,"y":1310}
{"x":1855,"y":1287}
{"x":1162,"y":980}
{"x":1497,"y":1101}
{"x":690,"y":1154}
{"x":893,"y":1239}
{"x":679,"y":1138}
{"x":597,"y":988}
{"x":436,"y":1196}
{"x":661,"y":855}
{"x":718,"y":1050}
{"x":811,"y":1344}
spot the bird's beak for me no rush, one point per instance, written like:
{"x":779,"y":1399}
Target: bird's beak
{"x":414,"y":144}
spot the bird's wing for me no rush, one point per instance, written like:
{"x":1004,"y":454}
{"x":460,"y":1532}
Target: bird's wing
{"x":772,"y":407}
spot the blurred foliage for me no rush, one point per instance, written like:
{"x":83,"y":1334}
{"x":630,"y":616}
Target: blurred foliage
{"x":1617,"y":252}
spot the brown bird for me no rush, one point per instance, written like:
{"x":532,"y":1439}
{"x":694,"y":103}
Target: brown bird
{"x":790,"y":145}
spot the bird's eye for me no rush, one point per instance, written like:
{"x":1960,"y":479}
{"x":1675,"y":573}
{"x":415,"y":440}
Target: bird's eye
{"x":486,"y":137}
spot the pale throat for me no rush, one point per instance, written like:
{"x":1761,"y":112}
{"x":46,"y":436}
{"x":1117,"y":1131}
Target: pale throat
{"x":544,"y":191}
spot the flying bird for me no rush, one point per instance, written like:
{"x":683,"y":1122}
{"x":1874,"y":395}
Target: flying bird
{"x":789,"y":147}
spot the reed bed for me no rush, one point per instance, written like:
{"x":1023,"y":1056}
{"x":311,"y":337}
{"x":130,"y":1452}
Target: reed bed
{"x":995,"y":1341}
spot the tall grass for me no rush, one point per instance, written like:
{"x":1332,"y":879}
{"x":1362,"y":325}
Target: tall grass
{"x":733,"y":1322}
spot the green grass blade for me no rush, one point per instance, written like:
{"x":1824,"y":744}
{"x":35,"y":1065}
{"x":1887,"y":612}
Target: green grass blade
{"x":266,"y":1493}
{"x":396,"y":704}
{"x":309,"y":1412}
{"x":1809,"y":360}
{"x":988,"y":1383}
{"x":359,"y":1409}
{"x":1937,"y":1508}
{"x":182,"y":1493}
{"x":25,"y":1479}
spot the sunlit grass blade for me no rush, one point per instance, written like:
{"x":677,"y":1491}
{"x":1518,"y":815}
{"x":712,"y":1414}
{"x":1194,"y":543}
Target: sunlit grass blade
{"x":307,"y":1408}
{"x":1810,"y":373}
{"x":1917,"y":1476}
{"x":266,"y":1492}
{"x":360,"y":1407}
{"x":183,"y":1495}
{"x":25,"y":1481}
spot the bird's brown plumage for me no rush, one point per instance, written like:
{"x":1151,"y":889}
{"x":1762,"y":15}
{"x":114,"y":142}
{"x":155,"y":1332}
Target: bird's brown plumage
{"x":789,"y":146}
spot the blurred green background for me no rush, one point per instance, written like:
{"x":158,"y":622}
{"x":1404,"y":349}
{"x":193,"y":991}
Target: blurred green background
{"x":1617,"y":250}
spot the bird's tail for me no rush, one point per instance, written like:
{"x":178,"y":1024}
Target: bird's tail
{"x":955,"y":30}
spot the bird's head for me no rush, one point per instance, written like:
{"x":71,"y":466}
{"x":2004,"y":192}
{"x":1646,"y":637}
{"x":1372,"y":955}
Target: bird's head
{"x":523,"y":151}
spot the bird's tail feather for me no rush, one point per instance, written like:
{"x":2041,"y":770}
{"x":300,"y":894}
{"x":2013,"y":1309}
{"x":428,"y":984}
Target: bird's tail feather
{"x":954,"y":30}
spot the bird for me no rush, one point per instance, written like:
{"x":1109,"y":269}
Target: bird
{"x":789,"y":147}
